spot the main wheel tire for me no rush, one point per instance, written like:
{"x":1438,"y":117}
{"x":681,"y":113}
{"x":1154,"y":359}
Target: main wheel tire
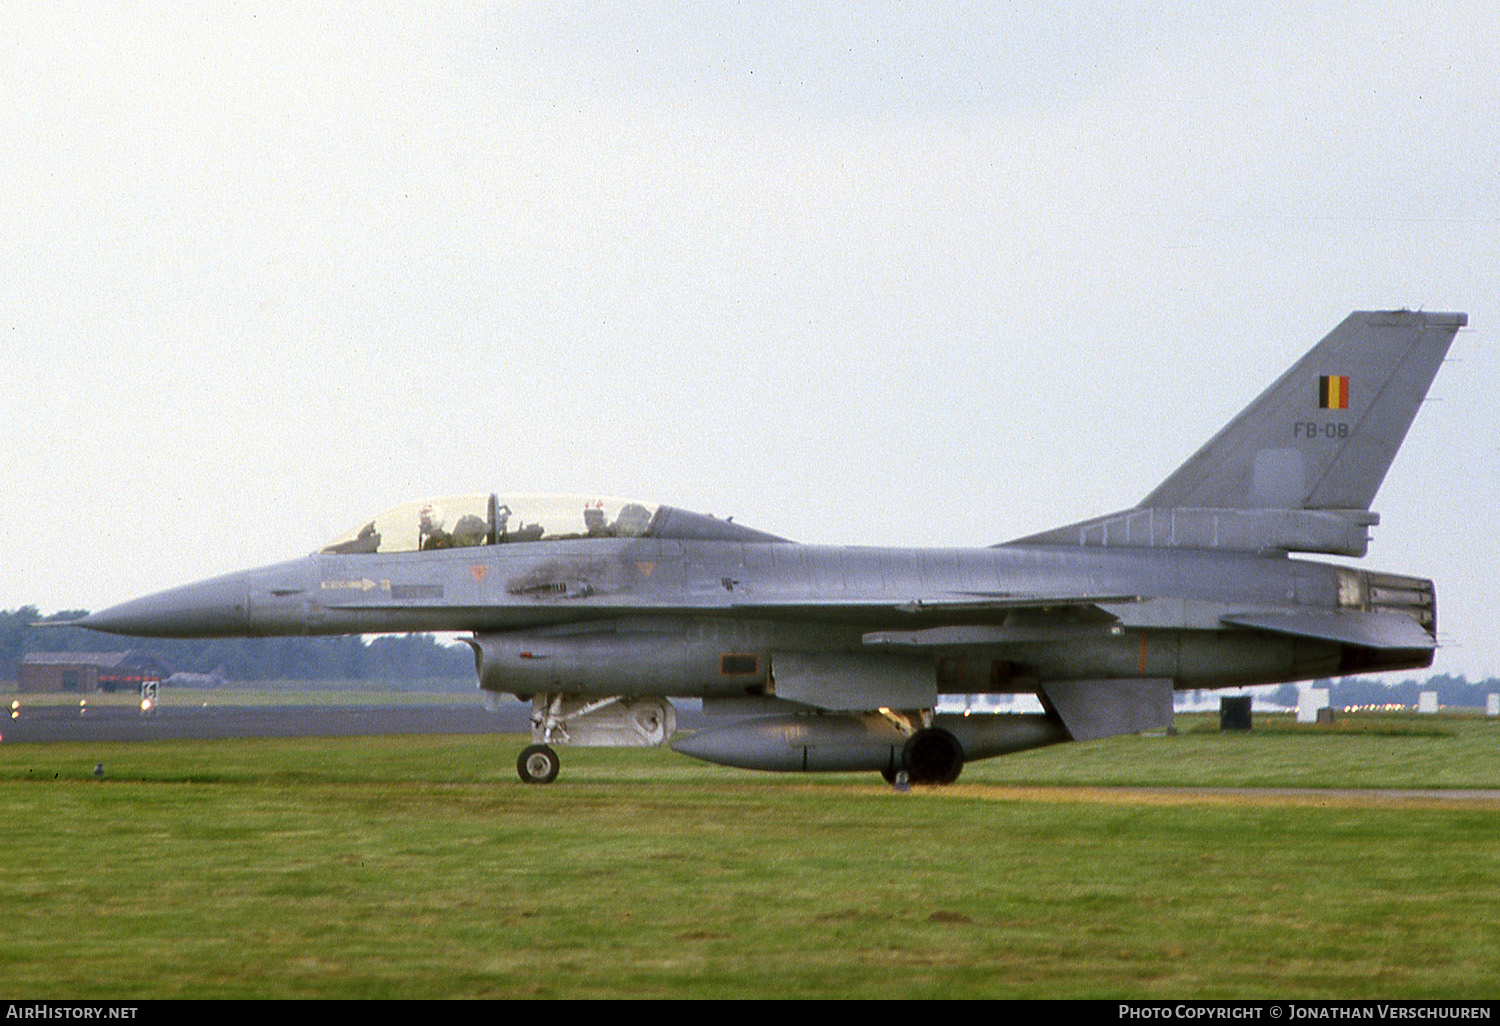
{"x":538,"y":764}
{"x":933,"y":756}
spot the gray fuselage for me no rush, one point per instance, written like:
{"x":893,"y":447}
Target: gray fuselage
{"x":660,"y":616}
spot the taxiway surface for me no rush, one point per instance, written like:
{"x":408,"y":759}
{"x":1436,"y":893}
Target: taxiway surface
{"x":39,"y":723}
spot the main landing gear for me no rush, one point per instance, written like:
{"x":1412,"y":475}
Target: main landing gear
{"x":930,"y":756}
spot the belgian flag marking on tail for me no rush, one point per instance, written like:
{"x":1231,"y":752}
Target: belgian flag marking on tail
{"x":1333,"y":392}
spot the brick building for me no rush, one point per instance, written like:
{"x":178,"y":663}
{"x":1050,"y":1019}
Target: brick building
{"x":90,"y":671}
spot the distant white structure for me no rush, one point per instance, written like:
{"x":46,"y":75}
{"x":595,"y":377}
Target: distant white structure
{"x":1427,"y":702}
{"x":1182,"y":701}
{"x":1203,"y":701}
{"x":183,"y":679}
{"x":1492,"y":705}
{"x":1003,"y":703}
{"x":1309,"y":701}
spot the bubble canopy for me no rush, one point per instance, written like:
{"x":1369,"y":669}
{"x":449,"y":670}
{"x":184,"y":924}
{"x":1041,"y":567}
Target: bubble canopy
{"x":484,"y":518}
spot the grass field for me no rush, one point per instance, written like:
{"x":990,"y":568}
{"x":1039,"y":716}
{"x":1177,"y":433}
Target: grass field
{"x":420,"y":867}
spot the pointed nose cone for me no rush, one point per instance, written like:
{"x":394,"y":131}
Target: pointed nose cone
{"x":208,"y":609}
{"x":272,"y":600}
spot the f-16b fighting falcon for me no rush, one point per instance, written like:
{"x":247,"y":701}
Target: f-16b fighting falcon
{"x":601,"y":610}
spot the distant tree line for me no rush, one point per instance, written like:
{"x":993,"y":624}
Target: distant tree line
{"x":411,"y":658}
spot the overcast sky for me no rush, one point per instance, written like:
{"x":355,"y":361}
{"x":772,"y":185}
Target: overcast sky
{"x":932,"y":274}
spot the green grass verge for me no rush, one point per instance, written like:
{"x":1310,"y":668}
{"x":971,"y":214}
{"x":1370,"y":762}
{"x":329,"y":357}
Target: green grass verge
{"x":420,"y":867}
{"x":1367,"y":750}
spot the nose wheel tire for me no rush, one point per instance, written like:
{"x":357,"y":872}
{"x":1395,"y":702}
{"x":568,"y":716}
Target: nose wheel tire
{"x":538,"y":764}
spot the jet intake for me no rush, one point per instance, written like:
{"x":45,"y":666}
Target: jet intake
{"x":851,"y":742}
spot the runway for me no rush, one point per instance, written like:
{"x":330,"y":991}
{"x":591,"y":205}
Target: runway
{"x":51,"y":723}
{"x":123,"y":723}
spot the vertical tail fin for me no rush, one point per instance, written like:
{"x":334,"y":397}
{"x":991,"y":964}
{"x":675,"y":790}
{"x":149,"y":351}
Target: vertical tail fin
{"x":1298,"y":468}
{"x":1323,"y":436}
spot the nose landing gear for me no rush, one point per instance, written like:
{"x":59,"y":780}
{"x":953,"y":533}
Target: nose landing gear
{"x":538,"y":764}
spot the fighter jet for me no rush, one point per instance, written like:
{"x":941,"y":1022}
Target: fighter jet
{"x":599,"y":611}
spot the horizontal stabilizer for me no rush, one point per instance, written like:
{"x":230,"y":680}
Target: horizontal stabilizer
{"x":1363,"y":629}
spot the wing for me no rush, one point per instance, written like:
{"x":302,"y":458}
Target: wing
{"x":935,"y":611}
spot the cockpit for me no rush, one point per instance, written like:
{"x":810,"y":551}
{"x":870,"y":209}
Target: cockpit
{"x":485,"y":518}
{"x":465,"y":521}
